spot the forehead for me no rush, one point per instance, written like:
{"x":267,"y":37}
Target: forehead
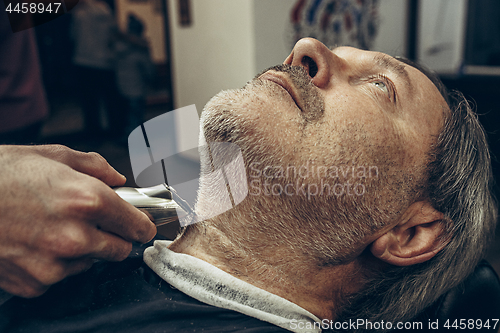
{"x":420,"y":99}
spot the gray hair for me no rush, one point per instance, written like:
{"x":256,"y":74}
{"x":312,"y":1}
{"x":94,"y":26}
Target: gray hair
{"x":460,"y":186}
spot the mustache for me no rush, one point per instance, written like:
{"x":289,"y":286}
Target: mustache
{"x":313,"y":104}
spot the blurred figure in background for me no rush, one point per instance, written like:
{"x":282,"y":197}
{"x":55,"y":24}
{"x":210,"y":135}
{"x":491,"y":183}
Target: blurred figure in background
{"x":134,"y":70}
{"x":94,"y":30}
{"x":23,"y":104}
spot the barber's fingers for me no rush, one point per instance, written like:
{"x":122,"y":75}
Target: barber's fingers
{"x":69,"y":250}
{"x":49,"y":272}
{"x":91,"y":164}
{"x":76,"y":239}
{"x":101,"y":207}
{"x":107,"y":246}
{"x":127,"y":221}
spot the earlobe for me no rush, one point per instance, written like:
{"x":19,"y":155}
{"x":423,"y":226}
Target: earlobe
{"x":416,"y":239}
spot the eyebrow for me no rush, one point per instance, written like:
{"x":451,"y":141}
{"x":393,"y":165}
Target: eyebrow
{"x":389,"y":63}
{"x":393,"y":65}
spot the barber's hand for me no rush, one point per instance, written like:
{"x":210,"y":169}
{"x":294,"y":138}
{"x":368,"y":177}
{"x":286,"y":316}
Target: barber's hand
{"x":58,"y":214}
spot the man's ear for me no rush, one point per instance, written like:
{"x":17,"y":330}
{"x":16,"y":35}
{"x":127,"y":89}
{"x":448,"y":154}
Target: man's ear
{"x":417,"y":238}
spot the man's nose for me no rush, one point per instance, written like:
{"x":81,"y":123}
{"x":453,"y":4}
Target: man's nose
{"x":316,"y":58}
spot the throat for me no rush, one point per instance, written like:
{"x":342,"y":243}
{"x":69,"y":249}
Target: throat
{"x":279,"y":270}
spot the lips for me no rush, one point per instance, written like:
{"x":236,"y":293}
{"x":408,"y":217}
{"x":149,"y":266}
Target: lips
{"x":284,"y":82}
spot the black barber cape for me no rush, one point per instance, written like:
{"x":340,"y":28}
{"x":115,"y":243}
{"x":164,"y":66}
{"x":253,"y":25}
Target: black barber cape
{"x":121,"y":297}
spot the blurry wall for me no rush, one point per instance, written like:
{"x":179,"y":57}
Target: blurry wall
{"x":216,"y":52}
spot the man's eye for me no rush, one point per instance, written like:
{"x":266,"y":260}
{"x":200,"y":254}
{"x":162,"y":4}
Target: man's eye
{"x":381,"y":85}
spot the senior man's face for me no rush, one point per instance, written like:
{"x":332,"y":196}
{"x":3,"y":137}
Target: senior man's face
{"x":357,"y":125}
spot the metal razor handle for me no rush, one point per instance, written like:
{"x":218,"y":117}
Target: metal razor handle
{"x":160,"y":202}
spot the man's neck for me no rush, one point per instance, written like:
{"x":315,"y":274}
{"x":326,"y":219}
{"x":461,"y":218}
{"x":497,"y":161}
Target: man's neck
{"x":278,"y":270}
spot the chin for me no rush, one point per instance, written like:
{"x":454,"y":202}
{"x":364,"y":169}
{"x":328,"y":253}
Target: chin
{"x":219,"y":119}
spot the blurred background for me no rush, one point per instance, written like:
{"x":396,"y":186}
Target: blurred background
{"x":105,"y":66}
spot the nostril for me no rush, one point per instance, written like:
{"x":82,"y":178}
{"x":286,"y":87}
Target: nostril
{"x":311,"y":66}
